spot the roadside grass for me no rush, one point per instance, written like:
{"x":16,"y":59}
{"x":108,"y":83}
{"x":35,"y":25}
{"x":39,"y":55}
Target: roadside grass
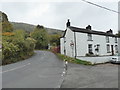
{"x":73,"y":60}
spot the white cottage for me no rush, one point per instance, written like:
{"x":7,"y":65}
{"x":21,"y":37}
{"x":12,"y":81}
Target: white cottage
{"x":85,"y":41}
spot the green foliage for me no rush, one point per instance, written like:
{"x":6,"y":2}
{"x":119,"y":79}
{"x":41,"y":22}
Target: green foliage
{"x":118,"y":34}
{"x":73,"y":60}
{"x":19,"y":35}
{"x":4,"y":17}
{"x":55,"y":40}
{"x":17,"y":47}
{"x":9,"y":50}
{"x":7,"y":27}
{"x":41,"y":37}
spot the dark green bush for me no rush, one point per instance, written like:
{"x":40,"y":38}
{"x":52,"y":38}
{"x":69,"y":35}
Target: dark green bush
{"x":41,"y":36}
{"x":17,"y":48}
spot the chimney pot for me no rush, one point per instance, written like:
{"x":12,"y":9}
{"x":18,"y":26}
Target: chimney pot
{"x":89,"y":27}
{"x":68,"y":23}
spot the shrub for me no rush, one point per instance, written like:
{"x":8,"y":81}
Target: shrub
{"x":41,"y":37}
{"x":17,"y":47}
{"x":9,"y":50}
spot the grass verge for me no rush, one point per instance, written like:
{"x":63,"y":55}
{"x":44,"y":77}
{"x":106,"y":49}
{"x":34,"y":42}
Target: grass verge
{"x":73,"y":60}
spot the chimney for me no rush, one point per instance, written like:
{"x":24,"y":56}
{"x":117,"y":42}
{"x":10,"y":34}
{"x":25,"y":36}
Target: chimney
{"x":89,"y":27}
{"x":68,"y":23}
{"x":110,"y":31}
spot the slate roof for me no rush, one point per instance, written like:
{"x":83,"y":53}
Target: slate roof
{"x":83,"y":30}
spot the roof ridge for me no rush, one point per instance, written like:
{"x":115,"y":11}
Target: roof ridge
{"x":84,"y":30}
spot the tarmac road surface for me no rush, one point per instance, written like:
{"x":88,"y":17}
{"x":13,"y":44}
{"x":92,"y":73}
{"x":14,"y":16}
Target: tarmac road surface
{"x":98,"y":76}
{"x":43,"y":70}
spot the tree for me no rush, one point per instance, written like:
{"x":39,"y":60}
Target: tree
{"x":118,"y":34}
{"x":6,"y":25}
{"x":55,"y":39}
{"x":16,"y":45}
{"x":41,"y":37}
{"x":4,"y":17}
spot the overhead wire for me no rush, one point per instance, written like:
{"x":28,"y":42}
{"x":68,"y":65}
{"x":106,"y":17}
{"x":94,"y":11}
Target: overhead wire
{"x":101,"y":6}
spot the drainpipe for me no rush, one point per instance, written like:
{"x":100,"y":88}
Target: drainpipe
{"x":75,"y":45}
{"x":64,"y":47}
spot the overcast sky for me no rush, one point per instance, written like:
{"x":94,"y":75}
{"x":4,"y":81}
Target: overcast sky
{"x":55,"y":14}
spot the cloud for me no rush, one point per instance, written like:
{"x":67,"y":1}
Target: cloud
{"x":55,"y":14}
{"x":57,"y":0}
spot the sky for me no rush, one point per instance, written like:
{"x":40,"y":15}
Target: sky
{"x":54,"y":14}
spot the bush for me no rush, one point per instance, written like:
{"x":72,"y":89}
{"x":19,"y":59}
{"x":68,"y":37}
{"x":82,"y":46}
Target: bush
{"x":41,"y":37}
{"x":15,"y":49}
{"x":9,"y":50}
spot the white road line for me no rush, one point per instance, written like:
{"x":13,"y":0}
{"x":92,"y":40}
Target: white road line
{"x":15,"y":68}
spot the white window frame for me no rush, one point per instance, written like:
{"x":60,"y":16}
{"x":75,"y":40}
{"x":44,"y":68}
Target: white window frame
{"x":107,"y":39}
{"x":108,"y":48}
{"x":90,"y":37}
{"x":90,"y":49}
{"x":116,"y":48}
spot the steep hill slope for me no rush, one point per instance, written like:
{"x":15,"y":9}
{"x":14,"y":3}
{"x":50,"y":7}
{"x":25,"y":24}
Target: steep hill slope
{"x":30,"y":28}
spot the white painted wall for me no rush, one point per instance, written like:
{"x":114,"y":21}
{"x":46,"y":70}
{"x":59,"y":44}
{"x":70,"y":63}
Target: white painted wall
{"x":82,"y":43}
{"x":68,"y":37}
{"x":62,"y":45}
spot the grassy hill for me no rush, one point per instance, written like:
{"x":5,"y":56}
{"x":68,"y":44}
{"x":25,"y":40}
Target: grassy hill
{"x":30,"y":28}
{"x":23,"y":26}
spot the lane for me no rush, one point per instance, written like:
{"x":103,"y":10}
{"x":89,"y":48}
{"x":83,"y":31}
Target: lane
{"x":43,"y":70}
{"x":15,"y":68}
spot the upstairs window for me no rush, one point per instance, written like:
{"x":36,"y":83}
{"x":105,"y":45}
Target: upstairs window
{"x":89,"y":37}
{"x":107,"y":39}
{"x":115,"y":39}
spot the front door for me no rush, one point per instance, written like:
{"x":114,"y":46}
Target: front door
{"x":112,"y":50}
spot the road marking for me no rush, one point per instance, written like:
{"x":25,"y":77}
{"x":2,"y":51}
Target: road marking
{"x":15,"y":68}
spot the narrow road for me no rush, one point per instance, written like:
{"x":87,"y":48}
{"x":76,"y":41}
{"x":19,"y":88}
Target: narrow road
{"x":43,"y":70}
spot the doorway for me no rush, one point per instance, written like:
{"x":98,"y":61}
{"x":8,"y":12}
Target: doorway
{"x":112,"y":50}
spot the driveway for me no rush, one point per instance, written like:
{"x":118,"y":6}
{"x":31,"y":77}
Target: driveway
{"x":99,"y":76}
{"x":43,"y":70}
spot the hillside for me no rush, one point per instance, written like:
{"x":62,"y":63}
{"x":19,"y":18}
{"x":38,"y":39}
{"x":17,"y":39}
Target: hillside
{"x":23,"y":26}
{"x":30,"y":28}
